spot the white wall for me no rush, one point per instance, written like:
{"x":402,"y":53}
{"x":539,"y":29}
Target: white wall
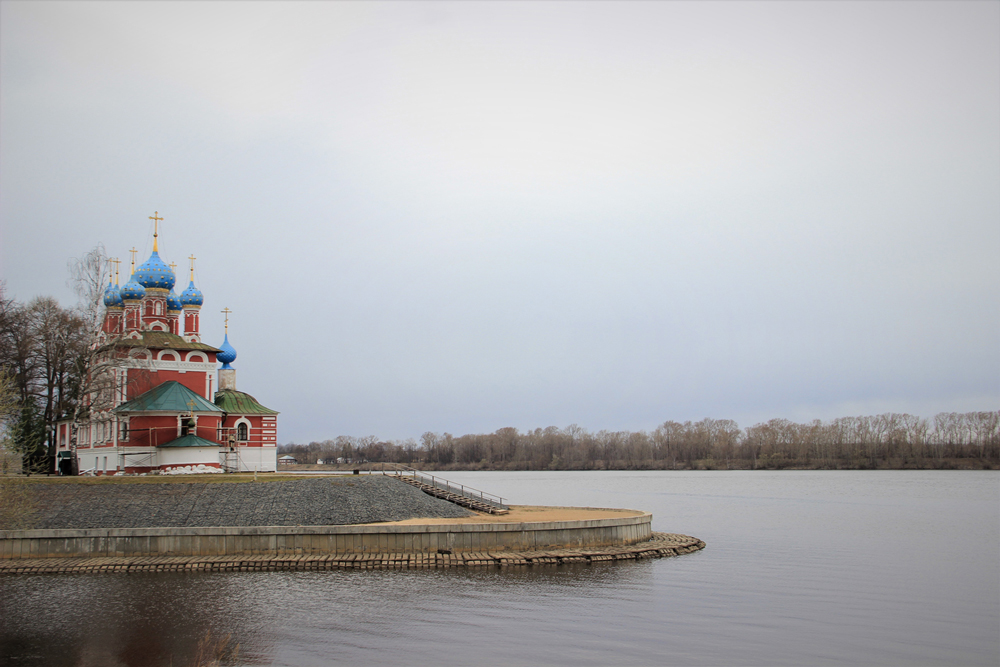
{"x":187,"y":456}
{"x":261,"y":459}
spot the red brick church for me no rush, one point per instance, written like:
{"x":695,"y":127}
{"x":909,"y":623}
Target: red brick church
{"x":157,"y":406}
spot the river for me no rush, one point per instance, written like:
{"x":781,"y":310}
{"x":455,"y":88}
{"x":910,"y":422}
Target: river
{"x":800,"y":568}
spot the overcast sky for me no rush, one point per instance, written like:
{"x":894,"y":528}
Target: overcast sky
{"x":457,"y":217}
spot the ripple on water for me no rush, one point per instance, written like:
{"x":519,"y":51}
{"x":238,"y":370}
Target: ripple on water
{"x":800,"y":568}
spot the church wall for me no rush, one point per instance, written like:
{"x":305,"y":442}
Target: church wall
{"x":193,"y":381}
{"x":132,"y":316}
{"x":98,"y":461}
{"x":208,"y":427}
{"x":190,"y":321}
{"x":140,"y":380}
{"x":188,"y":456}
{"x":269,"y":431}
{"x":263,"y":429}
{"x":146,"y":431}
{"x":137,"y":460}
{"x":112,"y":323}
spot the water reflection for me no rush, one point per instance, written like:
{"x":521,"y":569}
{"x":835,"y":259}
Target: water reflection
{"x":134,"y":620}
{"x":149,"y":620}
{"x":452,"y":616}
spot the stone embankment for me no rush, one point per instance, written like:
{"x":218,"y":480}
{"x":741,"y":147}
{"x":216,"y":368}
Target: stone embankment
{"x":340,"y":500}
{"x":345,"y":522}
{"x":661,"y":545}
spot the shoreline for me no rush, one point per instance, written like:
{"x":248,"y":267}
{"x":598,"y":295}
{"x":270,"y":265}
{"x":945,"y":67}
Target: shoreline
{"x":700,"y":465}
{"x":524,"y":535}
{"x":660,"y":545}
{"x":531,"y":529}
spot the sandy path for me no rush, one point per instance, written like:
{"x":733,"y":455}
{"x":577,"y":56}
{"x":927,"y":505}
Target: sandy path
{"x":527,"y":514}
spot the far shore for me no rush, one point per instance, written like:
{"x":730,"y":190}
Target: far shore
{"x":297,"y":471}
{"x":698,"y":465}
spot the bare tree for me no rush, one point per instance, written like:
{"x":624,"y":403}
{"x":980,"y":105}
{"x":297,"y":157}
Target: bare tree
{"x":90,"y":275}
{"x":10,"y":461}
{"x":105,"y":368}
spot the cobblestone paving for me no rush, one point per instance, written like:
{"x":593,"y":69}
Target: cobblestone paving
{"x":659,"y":546}
{"x":306,"y":502}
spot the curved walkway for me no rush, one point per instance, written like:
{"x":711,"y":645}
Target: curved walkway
{"x":661,"y":545}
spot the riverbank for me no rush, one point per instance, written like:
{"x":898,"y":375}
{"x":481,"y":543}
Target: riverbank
{"x":546,"y":528}
{"x":661,"y":545}
{"x":198,"y":501}
{"x":340,"y":517}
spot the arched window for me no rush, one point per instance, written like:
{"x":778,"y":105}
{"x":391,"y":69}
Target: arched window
{"x":242,"y":432}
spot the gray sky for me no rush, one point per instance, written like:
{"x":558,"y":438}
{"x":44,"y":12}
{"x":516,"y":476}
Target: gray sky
{"x":459,"y":217}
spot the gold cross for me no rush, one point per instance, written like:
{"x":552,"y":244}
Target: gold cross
{"x":116,"y":262}
{"x":226,"y":311}
{"x":173,"y":268}
{"x":156,"y":219}
{"x":133,"y":251}
{"x":192,"y":258}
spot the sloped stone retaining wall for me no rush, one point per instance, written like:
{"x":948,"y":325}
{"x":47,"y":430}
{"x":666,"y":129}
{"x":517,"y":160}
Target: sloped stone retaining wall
{"x":658,"y":546}
{"x":324,"y":540}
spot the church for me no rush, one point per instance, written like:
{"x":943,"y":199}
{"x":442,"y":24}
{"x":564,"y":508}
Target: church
{"x":155,"y":401}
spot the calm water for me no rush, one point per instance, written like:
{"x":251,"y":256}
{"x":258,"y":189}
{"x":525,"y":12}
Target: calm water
{"x":801,"y":568}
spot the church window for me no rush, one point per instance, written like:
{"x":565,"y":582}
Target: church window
{"x":242,"y":432}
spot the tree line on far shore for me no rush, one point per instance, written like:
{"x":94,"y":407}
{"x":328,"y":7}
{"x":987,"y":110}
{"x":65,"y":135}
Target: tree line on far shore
{"x":890,"y":440}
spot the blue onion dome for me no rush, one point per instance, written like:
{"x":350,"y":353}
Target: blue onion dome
{"x":154,"y":273}
{"x":173,"y":303}
{"x":192,"y":296}
{"x":112,"y":296}
{"x":132,"y":291}
{"x":227,"y":353}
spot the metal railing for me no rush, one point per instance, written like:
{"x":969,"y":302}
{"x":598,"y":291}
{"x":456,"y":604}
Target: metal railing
{"x":400,"y":470}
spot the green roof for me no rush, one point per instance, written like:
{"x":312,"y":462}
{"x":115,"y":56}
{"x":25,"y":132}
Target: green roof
{"x":162,"y":340}
{"x":238,"y":403}
{"x":170,"y":396}
{"x":191,"y":441}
